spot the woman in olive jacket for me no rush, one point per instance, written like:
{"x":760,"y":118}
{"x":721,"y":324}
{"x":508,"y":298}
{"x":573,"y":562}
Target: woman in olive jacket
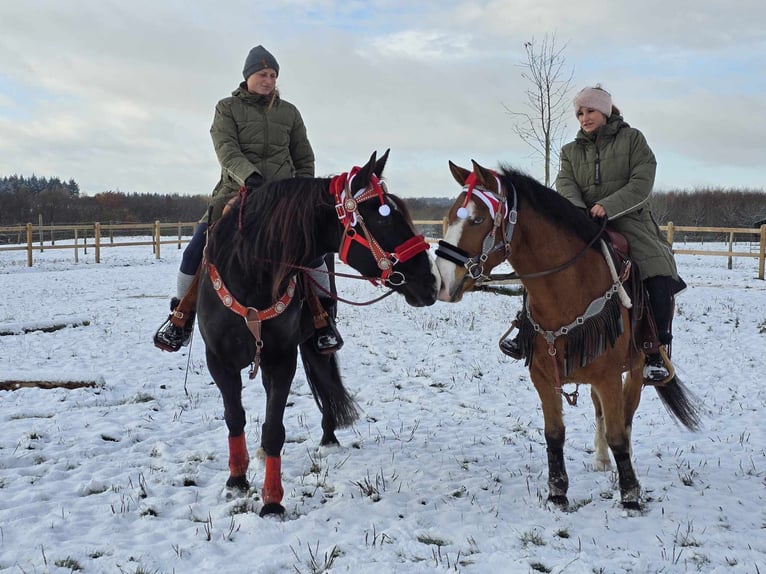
{"x":609,"y":171}
{"x":258,"y":137}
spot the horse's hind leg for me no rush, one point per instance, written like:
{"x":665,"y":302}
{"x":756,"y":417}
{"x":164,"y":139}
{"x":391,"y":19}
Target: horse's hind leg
{"x":612,"y":401}
{"x":558,"y":481}
{"x":337,"y":407}
{"x":602,"y":460}
{"x":229,"y":382}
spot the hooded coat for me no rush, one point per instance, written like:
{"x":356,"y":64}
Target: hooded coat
{"x":615,"y":167}
{"x":257,"y":134}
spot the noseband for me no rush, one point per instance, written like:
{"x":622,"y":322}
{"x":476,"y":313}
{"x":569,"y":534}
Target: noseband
{"x":355,"y":229}
{"x":504,"y":223}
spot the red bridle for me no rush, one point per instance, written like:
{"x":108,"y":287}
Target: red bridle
{"x":346,"y":206}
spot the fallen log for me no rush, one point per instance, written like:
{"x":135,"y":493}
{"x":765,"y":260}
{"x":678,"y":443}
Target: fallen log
{"x":48,"y":327}
{"x":16,"y":385}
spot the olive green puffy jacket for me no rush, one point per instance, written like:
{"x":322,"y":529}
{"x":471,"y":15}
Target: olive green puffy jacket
{"x":255,"y":134}
{"x":615,"y":167}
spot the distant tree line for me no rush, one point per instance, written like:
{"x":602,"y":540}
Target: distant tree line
{"x":24,"y":200}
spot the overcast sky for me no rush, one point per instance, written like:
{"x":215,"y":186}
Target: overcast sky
{"x":119,"y":95}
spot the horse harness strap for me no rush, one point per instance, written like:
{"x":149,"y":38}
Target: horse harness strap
{"x":504,"y":220}
{"x":252,"y":316}
{"x":594,"y":309}
{"x":346,"y":207}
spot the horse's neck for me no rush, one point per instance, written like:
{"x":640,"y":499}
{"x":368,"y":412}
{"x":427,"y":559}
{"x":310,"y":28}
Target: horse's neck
{"x":542,"y":246}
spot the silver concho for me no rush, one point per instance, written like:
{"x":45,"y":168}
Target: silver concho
{"x":384,"y":264}
{"x":279,"y":307}
{"x":217,"y":284}
{"x":349,"y":204}
{"x":227,"y":300}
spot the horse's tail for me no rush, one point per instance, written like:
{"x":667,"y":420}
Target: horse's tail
{"x":323,"y":376}
{"x":680,"y":403}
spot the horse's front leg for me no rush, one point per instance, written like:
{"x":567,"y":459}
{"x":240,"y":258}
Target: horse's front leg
{"x":558,"y":481}
{"x":229,"y":383}
{"x":277,"y":379}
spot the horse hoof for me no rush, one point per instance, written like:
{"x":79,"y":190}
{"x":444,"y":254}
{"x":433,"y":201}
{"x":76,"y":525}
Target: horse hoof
{"x":559,"y":500}
{"x":238,"y":482}
{"x":272,"y":508}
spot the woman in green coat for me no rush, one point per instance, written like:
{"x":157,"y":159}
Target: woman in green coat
{"x":608,"y":170}
{"x":258,"y":137}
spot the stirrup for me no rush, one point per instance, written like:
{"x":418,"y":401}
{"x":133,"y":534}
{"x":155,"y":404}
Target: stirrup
{"x":511,"y":346}
{"x":327,"y":340}
{"x":658,"y":370}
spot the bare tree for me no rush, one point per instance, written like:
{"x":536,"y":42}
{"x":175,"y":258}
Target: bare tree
{"x":547,"y":100}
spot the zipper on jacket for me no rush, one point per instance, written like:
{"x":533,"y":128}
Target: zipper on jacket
{"x":598,"y":167}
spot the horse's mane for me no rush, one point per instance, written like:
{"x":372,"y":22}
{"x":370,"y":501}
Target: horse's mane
{"x":278,"y":227}
{"x":548,"y":203}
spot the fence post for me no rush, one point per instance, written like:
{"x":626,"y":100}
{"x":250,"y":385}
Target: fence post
{"x":40,"y":224}
{"x":671,"y":231}
{"x":157,"y":238}
{"x":444,"y":226}
{"x":97,"y":241}
{"x":179,"y":235}
{"x":731,"y":249}
{"x":75,"y":246}
{"x":29,"y":245}
{"x":762,"y":253}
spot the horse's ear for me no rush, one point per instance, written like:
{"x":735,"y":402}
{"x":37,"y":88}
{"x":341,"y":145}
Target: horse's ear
{"x":381,"y":163}
{"x":362,"y":178}
{"x":484,"y":177}
{"x":459,"y":173}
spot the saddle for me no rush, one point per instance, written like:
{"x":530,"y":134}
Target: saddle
{"x":644,"y":330}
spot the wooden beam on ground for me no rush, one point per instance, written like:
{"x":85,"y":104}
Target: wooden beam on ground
{"x":16,"y":385}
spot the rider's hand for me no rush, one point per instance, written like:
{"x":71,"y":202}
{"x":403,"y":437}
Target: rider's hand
{"x":597,"y":211}
{"x":253,"y":181}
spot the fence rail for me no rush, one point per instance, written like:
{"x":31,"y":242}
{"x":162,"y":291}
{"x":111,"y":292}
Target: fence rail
{"x":98,"y":236}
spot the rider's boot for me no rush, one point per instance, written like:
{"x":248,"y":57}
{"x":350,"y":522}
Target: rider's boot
{"x":327,"y":338}
{"x":177,"y":329}
{"x":658,"y":369}
{"x":511,"y":346}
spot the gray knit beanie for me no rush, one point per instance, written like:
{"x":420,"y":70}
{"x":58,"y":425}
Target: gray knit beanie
{"x":596,"y":98}
{"x":258,"y":59}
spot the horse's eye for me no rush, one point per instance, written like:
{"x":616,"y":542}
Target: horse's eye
{"x":477,"y":220}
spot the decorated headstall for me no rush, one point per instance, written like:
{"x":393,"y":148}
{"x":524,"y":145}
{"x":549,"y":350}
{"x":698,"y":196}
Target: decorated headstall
{"x":355,"y":230}
{"x":503,"y":218}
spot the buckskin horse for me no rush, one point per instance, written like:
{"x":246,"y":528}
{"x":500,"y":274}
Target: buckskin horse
{"x":252,"y":292}
{"x":578,"y":328}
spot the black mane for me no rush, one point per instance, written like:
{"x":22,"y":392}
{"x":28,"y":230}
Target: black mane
{"x":278,"y":228}
{"x":549,"y":204}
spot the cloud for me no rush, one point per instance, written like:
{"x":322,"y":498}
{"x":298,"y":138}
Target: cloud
{"x":121,"y":95}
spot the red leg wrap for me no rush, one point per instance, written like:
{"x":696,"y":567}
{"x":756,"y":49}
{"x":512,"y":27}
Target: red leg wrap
{"x":273,"y":492}
{"x":238,"y":457}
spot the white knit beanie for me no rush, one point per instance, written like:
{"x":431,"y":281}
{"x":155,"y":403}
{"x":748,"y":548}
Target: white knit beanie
{"x":596,"y":98}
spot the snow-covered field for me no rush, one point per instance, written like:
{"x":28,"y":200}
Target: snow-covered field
{"x":445,"y":471}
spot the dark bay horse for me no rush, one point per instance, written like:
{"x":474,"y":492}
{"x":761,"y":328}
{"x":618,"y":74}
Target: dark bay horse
{"x":578,"y":327}
{"x":251,"y":304}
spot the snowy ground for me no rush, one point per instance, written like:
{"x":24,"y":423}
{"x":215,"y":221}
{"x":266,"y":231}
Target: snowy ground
{"x":445,"y":471}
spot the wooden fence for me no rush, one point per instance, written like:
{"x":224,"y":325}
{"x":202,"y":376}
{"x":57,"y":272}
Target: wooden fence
{"x":98,"y":236}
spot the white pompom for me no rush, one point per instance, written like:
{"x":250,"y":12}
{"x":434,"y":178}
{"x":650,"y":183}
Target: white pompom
{"x":462,"y":213}
{"x":384,"y":210}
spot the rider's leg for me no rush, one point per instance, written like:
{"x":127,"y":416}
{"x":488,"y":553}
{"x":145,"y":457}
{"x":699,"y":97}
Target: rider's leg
{"x":177,"y":329}
{"x":660,"y":290}
{"x":326,"y":335}
{"x":511,"y":346}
